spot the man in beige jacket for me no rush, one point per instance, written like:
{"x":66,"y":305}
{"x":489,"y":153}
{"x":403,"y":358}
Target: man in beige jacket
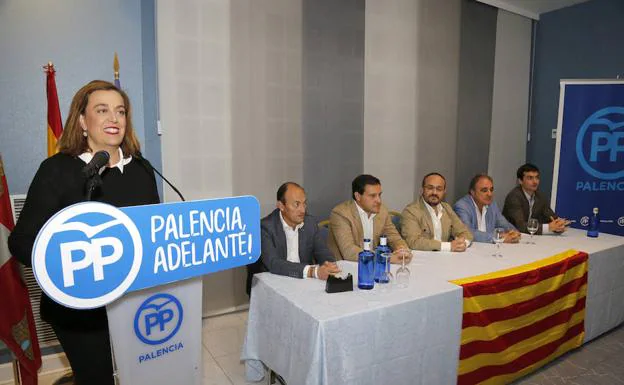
{"x":364,"y":216}
{"x":431,"y":224}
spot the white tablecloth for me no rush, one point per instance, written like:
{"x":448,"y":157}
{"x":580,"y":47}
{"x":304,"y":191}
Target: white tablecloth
{"x":605,"y":292}
{"x":405,"y":336}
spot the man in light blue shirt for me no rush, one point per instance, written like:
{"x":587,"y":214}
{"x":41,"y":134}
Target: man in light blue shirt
{"x":480,"y":213}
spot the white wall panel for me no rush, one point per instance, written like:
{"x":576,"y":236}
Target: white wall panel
{"x":510,"y":104}
{"x":193,"y":45}
{"x":390,"y":97}
{"x":230,"y":107}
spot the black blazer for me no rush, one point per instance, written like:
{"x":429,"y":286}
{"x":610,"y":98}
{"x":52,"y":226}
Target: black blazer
{"x":516,"y":209}
{"x":59,"y":183}
{"x":312,"y":248}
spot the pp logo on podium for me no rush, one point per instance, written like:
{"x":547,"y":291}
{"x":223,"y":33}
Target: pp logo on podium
{"x":158,"y":319}
{"x":87,"y":255}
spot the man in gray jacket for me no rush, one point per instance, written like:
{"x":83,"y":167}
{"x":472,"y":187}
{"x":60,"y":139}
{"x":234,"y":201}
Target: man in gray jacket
{"x":292,"y":244}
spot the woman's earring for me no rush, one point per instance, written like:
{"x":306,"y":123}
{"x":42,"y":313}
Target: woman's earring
{"x":84,"y":133}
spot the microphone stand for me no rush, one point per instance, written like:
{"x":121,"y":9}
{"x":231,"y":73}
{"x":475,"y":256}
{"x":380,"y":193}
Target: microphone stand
{"x":149,"y":167}
{"x":170,"y":184}
{"x":92,"y":183}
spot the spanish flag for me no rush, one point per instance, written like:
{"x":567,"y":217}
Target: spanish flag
{"x":517,"y":320}
{"x":55,"y":126}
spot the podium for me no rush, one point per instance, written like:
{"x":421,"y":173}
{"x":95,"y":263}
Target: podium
{"x":144,"y":263}
{"x":156,"y":334}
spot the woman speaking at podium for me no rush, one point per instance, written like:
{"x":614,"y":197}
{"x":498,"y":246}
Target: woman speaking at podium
{"x":100,"y":119}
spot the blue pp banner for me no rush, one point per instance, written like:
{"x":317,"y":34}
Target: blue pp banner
{"x":589,"y":162}
{"x":89,"y":254}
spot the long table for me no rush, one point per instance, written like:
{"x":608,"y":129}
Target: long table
{"x":410,"y":335}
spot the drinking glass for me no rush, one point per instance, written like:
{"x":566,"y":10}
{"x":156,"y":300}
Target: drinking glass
{"x":532,"y":226}
{"x":402,"y":273}
{"x":499,"y":237}
{"x":386,"y":277}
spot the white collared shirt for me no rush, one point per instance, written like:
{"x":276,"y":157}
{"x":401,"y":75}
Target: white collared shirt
{"x":531,"y":199}
{"x":481,"y":224}
{"x":367,"y":222}
{"x":436,"y":219}
{"x":292,"y":244}
{"x":87,"y":156}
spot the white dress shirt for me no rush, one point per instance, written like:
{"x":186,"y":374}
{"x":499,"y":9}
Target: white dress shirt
{"x":367,"y":223}
{"x":531,"y":199}
{"x":87,"y":156}
{"x":481,"y":225}
{"x":436,"y":219}
{"x":292,"y":244}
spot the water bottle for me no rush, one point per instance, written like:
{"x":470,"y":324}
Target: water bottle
{"x":380,"y":262}
{"x":366,"y":267}
{"x":594,"y":223}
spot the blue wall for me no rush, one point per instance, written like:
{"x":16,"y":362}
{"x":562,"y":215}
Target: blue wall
{"x":80,"y":37}
{"x":584,"y":41}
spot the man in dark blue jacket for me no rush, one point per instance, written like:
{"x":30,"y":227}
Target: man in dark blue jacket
{"x":292,"y":243}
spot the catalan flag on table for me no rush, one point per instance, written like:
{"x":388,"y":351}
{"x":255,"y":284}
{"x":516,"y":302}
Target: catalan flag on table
{"x":517,"y":320}
{"x":55,"y":126}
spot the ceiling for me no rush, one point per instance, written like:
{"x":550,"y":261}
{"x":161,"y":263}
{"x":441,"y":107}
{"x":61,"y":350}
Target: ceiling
{"x":531,"y":8}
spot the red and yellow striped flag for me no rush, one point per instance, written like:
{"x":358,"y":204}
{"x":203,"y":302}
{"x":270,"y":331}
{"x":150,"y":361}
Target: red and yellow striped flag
{"x":517,"y":320}
{"x":55,"y":126}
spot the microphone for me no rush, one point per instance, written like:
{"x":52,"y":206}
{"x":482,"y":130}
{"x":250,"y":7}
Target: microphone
{"x":149,"y":166}
{"x":99,"y":160}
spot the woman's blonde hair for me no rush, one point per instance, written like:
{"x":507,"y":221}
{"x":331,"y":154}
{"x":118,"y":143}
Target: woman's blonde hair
{"x":73,"y":142}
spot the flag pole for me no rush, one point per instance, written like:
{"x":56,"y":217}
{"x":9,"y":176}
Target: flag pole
{"x":116,"y":71}
{"x":55,"y":125}
{"x":16,"y":373}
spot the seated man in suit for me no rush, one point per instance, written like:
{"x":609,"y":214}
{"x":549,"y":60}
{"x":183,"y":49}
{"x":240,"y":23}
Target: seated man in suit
{"x":362,"y":217}
{"x":292,"y":244}
{"x":524,"y":202}
{"x":481,"y":214}
{"x":432,"y":225}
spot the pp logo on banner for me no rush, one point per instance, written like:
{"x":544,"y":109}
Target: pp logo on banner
{"x":76,"y":250}
{"x":158,"y":319}
{"x":599,"y":143}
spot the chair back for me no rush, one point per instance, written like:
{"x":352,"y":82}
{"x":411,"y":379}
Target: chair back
{"x":395,"y":216}
{"x":324,"y":229}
